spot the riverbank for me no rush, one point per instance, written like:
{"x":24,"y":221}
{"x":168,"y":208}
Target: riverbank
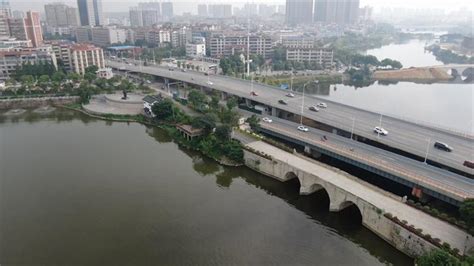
{"x":415,"y":74}
{"x":35,"y":102}
{"x":168,"y":127}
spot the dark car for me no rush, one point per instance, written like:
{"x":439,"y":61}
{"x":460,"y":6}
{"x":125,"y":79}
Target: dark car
{"x":282,"y":102}
{"x":469,"y":164}
{"x":443,"y":146}
{"x":206,"y":74}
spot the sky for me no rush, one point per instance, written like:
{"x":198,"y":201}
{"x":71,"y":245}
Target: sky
{"x":122,"y":5}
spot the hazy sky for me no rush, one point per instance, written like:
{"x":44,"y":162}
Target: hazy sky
{"x":122,"y":5}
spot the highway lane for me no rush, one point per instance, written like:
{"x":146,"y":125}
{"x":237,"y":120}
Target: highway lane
{"x":403,"y":135}
{"x":457,"y":186}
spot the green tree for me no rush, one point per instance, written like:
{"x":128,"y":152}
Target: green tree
{"x":163,"y":110}
{"x":73,"y":76}
{"x":197,"y":99}
{"x":254,"y":122}
{"x":89,"y":76}
{"x":231,"y":103}
{"x":223,"y":132}
{"x":58,"y":76}
{"x":91,"y":69}
{"x":214,"y":102}
{"x":467,"y":212}
{"x":206,"y":122}
{"x":27,"y":80}
{"x":437,"y":257}
{"x":85,"y":93}
{"x":233,"y":151}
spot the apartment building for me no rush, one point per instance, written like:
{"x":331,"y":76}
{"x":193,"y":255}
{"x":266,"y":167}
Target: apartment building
{"x":12,"y":58}
{"x":85,"y":55}
{"x":222,"y":45}
{"x":323,"y":57}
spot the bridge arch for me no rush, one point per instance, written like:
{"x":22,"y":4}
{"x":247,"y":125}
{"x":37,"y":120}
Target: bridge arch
{"x":352,"y":210}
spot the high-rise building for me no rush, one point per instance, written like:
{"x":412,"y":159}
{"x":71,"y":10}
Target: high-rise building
{"x":18,"y":14}
{"x":340,"y":12}
{"x":4,"y":28}
{"x":250,"y":9}
{"x":167,"y":10}
{"x":150,"y":17}
{"x":265,"y":10}
{"x":136,"y":17}
{"x":220,"y":10}
{"x":222,"y":45}
{"x":33,"y":28}
{"x":202,"y":10}
{"x":61,"y":15}
{"x":90,"y":12}
{"x":17,"y":28}
{"x":299,"y":12}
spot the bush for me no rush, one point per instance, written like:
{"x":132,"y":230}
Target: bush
{"x":467,"y":212}
{"x":437,"y":257}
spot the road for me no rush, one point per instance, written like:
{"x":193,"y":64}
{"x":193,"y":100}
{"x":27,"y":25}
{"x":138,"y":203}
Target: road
{"x":455,"y":186}
{"x":411,"y":137}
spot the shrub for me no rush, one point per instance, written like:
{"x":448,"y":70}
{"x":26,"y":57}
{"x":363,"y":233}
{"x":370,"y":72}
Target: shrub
{"x":437,"y":257}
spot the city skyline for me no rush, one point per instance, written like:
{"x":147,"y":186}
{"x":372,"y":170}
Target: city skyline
{"x":191,"y":6}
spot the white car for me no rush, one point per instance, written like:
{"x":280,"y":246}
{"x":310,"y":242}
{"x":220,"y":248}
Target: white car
{"x":322,"y":105}
{"x":381,"y":131}
{"x":291,"y":95}
{"x":314,"y":108}
{"x":267,"y":120}
{"x":303,"y":128}
{"x":210,"y":83}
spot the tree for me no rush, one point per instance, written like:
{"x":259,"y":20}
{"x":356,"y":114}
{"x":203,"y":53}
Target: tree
{"x":73,"y":76}
{"x":231,"y":103}
{"x":197,"y":99}
{"x":58,"y":76}
{"x":254,"y":122}
{"x":89,"y":76}
{"x":163,"y":110}
{"x":437,"y":257}
{"x":179,"y":64}
{"x":27,"y":79}
{"x":467,"y":212}
{"x":223,"y":132}
{"x":233,"y":151}
{"x":214,"y":102}
{"x":206,"y":122}
{"x":84,"y":93}
{"x":91,"y":69}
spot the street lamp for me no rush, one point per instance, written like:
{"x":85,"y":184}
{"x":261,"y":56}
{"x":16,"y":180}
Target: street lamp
{"x":352,"y":129}
{"x":427,"y":149}
{"x":302,"y":101}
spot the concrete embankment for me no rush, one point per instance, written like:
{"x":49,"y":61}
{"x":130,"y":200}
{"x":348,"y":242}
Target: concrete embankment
{"x":35,"y":102}
{"x":421,"y":74}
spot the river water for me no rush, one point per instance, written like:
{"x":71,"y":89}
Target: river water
{"x":441,"y":104}
{"x":75,"y":190}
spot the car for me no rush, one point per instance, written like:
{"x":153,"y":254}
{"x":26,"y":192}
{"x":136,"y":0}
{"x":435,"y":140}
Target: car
{"x":314,"y":108}
{"x":291,"y":95}
{"x":282,"y":102}
{"x":147,"y":81}
{"x":381,"y":131}
{"x":183,"y":70}
{"x":252,"y":93}
{"x":170,"y":69}
{"x":303,"y":128}
{"x":322,"y":105}
{"x":206,"y":74}
{"x":468,"y":164}
{"x":210,"y":83}
{"x":267,"y":120}
{"x":442,"y":146}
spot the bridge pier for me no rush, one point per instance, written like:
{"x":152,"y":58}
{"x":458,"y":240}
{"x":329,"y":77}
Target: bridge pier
{"x":248,"y":102}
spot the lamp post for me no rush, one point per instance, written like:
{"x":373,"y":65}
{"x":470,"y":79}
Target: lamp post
{"x":302,"y":100}
{"x":427,"y":149}
{"x":352,"y":129}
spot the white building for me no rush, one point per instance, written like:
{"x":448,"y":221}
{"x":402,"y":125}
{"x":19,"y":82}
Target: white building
{"x":103,"y":36}
{"x":85,"y":55}
{"x":12,"y":59}
{"x":105,"y":73}
{"x":195,"y":50}
{"x":322,"y":57}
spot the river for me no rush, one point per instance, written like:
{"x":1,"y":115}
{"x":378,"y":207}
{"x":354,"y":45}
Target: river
{"x":75,"y":190}
{"x":440,"y":104}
